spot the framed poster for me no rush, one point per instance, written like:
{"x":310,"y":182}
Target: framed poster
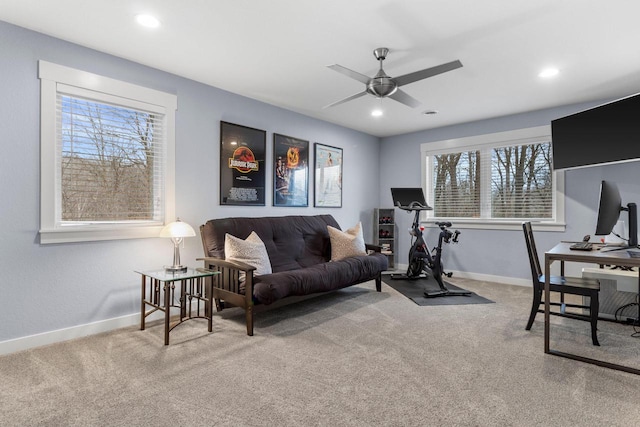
{"x":328,"y":176}
{"x":290,"y":171}
{"x":242,"y":162}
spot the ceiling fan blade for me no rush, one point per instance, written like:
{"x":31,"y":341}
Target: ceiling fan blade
{"x":342,"y":101}
{"x":350,"y":73}
{"x":429,"y":72}
{"x":404,"y":98}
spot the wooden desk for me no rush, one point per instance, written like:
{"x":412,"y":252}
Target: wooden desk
{"x":562,"y":253}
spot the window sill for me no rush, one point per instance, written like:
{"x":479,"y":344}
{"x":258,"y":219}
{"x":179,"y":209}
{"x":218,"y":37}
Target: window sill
{"x":498,"y":225}
{"x":91,"y":234}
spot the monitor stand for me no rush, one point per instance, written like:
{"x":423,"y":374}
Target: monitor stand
{"x":632,"y":211}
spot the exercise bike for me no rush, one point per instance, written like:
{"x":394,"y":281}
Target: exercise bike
{"x":420,"y":258}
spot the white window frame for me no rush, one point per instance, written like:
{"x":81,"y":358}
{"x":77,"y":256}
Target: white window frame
{"x":501,"y":139}
{"x":54,"y":76}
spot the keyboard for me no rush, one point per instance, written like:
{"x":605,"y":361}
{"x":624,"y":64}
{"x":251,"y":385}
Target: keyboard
{"x":582,"y":246}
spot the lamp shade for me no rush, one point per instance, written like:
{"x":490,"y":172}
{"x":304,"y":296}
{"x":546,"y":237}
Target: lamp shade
{"x":177,"y":229}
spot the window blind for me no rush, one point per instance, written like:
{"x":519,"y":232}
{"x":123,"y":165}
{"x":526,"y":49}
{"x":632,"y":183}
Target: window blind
{"x":521,"y":182}
{"x":493,"y":182}
{"x":456,"y":185}
{"x":109,"y":161}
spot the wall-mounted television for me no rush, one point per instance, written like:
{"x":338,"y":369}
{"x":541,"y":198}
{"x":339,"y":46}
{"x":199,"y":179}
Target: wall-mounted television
{"x":603,"y":134}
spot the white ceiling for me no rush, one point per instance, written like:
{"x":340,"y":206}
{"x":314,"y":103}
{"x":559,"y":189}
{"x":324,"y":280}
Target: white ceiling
{"x":276,"y":51}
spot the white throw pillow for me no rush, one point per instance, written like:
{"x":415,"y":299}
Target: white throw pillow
{"x":251,"y":251}
{"x":347,"y":243}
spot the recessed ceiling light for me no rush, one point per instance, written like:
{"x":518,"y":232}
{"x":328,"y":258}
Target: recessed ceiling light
{"x":548,"y":72}
{"x":376,"y":113}
{"x":147,"y":21}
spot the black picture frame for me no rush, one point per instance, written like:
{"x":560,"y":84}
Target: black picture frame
{"x":328,"y":176}
{"x":242,"y":165}
{"x":290,"y":171}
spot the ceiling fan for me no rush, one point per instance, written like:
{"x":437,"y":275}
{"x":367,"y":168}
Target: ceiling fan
{"x":383,"y":86}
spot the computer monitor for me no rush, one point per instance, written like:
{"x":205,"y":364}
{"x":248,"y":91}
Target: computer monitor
{"x":404,"y":197}
{"x":609,"y":209}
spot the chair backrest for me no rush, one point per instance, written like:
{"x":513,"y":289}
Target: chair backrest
{"x":534,"y":261}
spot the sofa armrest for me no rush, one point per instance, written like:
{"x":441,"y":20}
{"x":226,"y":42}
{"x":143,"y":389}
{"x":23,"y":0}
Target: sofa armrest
{"x":222,"y":263}
{"x":230,"y":288}
{"x":230,"y":285}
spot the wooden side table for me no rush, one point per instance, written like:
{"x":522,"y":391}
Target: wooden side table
{"x":195,"y":296}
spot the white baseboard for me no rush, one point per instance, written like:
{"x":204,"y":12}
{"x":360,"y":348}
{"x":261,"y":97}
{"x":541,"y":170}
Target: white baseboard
{"x":60,"y":335}
{"x":491,"y":278}
{"x":46,"y":338}
{"x":402,"y":268}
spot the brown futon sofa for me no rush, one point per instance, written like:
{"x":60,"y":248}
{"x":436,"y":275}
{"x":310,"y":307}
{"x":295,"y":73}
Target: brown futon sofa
{"x":299,"y":251}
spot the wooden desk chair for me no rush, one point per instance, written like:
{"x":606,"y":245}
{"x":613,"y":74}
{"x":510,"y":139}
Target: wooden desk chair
{"x":563,"y":285}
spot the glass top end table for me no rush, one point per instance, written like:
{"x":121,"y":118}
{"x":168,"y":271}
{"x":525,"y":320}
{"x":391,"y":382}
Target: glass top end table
{"x":194,"y":298}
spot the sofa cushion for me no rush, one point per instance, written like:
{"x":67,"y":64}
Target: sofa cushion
{"x":347,"y":243}
{"x":250,"y":251}
{"x":323,"y":277}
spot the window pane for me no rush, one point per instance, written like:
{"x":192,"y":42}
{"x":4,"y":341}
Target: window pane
{"x":456,"y":185}
{"x":494,"y":180}
{"x":521,"y":185}
{"x":108,"y":159}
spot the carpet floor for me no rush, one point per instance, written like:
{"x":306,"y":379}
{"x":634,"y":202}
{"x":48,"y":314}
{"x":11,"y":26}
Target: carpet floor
{"x":355,"y":357}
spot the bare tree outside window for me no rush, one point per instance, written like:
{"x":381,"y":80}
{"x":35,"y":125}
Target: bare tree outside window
{"x":107,"y":161}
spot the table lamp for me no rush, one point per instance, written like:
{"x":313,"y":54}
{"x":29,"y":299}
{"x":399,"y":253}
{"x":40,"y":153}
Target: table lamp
{"x":177,"y":231}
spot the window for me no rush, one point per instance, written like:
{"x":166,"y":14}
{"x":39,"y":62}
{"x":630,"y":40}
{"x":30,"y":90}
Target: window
{"x":495,"y":181}
{"x":107,"y":157}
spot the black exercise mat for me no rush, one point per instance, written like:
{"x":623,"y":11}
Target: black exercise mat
{"x":414,"y":290}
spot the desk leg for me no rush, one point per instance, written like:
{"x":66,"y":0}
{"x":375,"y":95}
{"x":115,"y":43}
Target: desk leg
{"x":167,"y":309}
{"x":142,"y":304}
{"x":547,"y":305}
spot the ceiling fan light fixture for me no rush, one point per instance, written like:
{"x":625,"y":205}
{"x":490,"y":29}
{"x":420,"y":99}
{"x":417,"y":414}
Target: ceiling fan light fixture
{"x":376,"y":113}
{"x":381,"y":87}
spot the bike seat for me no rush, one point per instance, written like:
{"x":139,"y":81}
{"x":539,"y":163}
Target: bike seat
{"x":443,"y":224}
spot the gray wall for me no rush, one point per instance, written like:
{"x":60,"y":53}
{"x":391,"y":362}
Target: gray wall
{"x":501,"y":252}
{"x":47,"y":288}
